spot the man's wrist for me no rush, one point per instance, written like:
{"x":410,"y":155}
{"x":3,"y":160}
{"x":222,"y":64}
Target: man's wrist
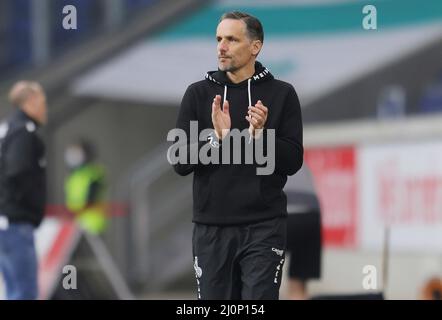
{"x":256,"y":133}
{"x":221,"y":135}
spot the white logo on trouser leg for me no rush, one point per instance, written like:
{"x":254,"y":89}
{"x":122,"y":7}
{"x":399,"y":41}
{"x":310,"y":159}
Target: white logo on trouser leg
{"x":198,"y":270}
{"x":280,"y":253}
{"x":198,"y":274}
{"x":278,"y":269}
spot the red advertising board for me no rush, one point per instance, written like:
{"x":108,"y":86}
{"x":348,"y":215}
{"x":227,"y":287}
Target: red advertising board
{"x":334,"y":171}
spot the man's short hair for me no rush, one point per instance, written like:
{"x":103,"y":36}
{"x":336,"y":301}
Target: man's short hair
{"x":253,"y":25}
{"x":22,"y":91}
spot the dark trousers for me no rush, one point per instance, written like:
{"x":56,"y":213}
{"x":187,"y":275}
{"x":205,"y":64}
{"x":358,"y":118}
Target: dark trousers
{"x":241,"y":262}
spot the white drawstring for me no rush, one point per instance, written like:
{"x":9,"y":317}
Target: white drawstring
{"x":250,"y":98}
{"x":248,"y":90}
{"x":250,"y":103}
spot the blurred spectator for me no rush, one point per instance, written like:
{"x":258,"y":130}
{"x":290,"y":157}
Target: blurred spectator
{"x":22,"y":189}
{"x":392,"y":102}
{"x":431,"y":100}
{"x":84,"y":187}
{"x":303,"y":234}
{"x":432,"y":289}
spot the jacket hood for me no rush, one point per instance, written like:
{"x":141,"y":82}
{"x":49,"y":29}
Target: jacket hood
{"x":221,"y":78}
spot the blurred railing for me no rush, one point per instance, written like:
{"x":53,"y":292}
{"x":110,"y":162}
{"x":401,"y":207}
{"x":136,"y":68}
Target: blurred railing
{"x":155,"y":239}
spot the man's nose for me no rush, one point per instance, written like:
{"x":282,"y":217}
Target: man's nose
{"x":222,"y":46}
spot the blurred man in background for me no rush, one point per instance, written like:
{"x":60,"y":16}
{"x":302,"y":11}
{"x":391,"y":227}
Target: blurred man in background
{"x":84,"y":187}
{"x":22,"y":189}
{"x":303,"y":233}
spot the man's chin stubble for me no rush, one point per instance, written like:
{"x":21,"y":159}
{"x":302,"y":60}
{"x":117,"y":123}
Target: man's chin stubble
{"x":228,"y":69}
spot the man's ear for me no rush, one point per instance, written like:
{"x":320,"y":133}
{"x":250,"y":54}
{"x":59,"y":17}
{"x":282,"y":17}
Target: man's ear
{"x":256,"y":47}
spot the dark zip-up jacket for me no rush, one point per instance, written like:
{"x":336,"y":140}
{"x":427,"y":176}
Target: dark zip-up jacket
{"x":22,"y":170}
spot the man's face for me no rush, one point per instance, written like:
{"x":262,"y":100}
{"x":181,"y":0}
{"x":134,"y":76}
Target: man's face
{"x":235,"y":49}
{"x":37,"y":108}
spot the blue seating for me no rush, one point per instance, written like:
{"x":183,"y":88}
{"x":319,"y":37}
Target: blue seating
{"x":16,"y":27}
